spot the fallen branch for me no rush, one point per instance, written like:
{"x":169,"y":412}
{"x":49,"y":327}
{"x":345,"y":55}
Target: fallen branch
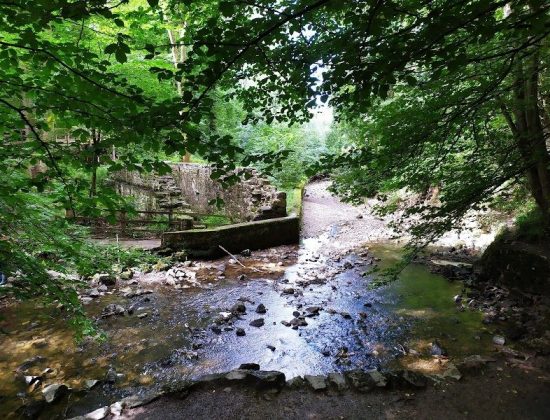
{"x":232,"y":256}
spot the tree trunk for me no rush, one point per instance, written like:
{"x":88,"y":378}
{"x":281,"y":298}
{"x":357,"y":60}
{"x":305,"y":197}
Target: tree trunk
{"x":179,"y":55}
{"x":529,"y":131}
{"x":96,"y":137}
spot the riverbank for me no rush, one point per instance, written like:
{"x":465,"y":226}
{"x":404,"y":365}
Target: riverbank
{"x":299,"y":311}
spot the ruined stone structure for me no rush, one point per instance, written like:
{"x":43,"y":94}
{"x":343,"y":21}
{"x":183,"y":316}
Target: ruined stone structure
{"x":205,"y":243}
{"x":189,"y":187}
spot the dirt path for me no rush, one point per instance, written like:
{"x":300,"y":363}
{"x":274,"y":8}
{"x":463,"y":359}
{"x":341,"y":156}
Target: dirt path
{"x":322,"y":213}
{"x":507,"y":389}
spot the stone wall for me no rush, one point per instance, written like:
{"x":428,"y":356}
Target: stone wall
{"x":190,"y":187}
{"x":205,"y":243}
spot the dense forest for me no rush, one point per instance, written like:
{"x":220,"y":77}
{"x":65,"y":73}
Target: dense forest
{"x":435,"y":109}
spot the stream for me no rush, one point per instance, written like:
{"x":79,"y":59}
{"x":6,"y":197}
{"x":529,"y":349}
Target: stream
{"x":188,"y":332}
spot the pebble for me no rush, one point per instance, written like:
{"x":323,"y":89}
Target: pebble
{"x":499,"y":340}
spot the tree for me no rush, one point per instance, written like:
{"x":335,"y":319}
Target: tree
{"x":463,"y":69}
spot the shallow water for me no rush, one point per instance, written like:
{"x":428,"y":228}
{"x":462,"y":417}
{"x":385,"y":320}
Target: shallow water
{"x":356,"y":328}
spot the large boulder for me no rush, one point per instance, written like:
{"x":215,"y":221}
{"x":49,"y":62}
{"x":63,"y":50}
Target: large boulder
{"x":516,"y":264}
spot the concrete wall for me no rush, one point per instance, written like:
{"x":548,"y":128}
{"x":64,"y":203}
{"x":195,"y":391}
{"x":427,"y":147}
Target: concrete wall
{"x":204,"y":243}
{"x":190,"y":186}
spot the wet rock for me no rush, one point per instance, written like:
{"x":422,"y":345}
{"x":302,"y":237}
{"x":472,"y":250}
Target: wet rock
{"x":240,"y":332}
{"x":126,"y":275}
{"x":316,"y":382}
{"x":257,"y":323}
{"x":54,"y":392}
{"x":296,"y":314}
{"x":261,"y":309}
{"x":499,"y":340}
{"x":143,"y":315}
{"x":238,"y":308}
{"x":436,"y":349}
{"x":112,"y":309}
{"x":102,"y":288}
{"x":91,"y":383}
{"x":298,"y":322}
{"x":338,"y":381}
{"x":270,"y":347}
{"x":94,"y":293}
{"x":111,"y":377}
{"x":86,"y":300}
{"x":243,"y":277}
{"x":216,"y":329}
{"x":367,"y":305}
{"x":29,"y":363}
{"x":345,"y":315}
{"x":288,"y":291}
{"x":250,"y":366}
{"x":285,"y":323}
{"x":246,"y":253}
{"x":360,"y":380}
{"x":105,"y":278}
{"x":313,"y":310}
{"x":40,"y":343}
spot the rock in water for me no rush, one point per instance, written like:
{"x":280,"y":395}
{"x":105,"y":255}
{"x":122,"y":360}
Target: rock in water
{"x":54,"y":392}
{"x":261,"y":309}
{"x":257,"y":323}
{"x":240,"y":332}
{"x":250,"y":366}
{"x":437,"y":349}
{"x":238,"y":308}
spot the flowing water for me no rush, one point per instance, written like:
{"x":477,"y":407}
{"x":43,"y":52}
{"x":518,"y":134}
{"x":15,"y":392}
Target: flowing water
{"x":356,"y":327}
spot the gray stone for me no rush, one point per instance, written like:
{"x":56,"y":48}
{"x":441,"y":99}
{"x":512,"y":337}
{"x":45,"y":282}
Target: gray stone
{"x":338,"y":381}
{"x":90,"y":383}
{"x":296,"y":382}
{"x":240,"y":332}
{"x":261,"y":309}
{"x":288,"y":290}
{"x":105,"y":278}
{"x":436,"y":349}
{"x":139,"y":400}
{"x":317,"y":382}
{"x":127,"y":275}
{"x":499,"y":340}
{"x":112,"y":309}
{"x":378,"y":378}
{"x":257,"y":323}
{"x":54,"y":392}
{"x":360,"y":380}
